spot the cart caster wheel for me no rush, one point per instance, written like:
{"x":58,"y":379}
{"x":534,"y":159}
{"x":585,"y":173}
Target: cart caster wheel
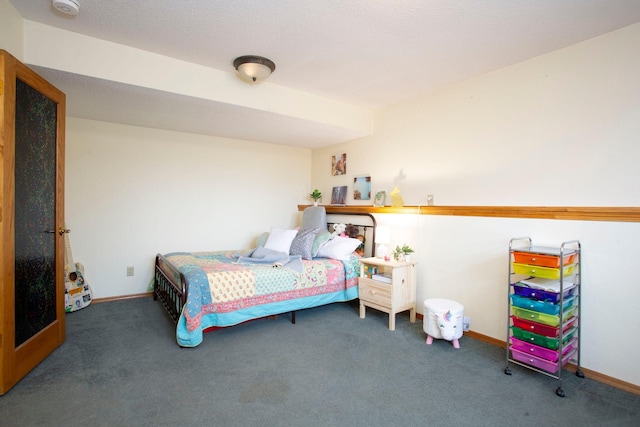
{"x":507,"y":371}
{"x":579,"y":374}
{"x":560,"y":392}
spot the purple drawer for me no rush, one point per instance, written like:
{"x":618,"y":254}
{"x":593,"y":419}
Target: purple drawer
{"x":538,"y":362}
{"x":539,"y":294}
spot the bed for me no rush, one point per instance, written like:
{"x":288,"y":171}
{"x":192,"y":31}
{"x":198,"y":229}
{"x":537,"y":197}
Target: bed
{"x":208,"y":290}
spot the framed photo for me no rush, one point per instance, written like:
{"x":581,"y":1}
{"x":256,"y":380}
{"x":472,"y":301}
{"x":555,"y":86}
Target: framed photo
{"x":339,"y":164}
{"x":339,"y":195}
{"x":362,"y":188}
{"x":381,"y":199}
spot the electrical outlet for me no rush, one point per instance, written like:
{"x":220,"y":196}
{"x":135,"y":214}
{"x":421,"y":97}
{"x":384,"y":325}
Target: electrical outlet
{"x":130,"y":270}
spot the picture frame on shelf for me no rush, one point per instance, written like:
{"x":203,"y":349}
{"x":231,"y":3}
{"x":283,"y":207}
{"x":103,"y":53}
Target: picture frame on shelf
{"x":381,"y":199}
{"x":362,"y":187}
{"x":339,"y":196}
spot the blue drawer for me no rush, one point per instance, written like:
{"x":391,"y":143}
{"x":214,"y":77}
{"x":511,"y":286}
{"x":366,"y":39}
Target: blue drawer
{"x":541,"y":306}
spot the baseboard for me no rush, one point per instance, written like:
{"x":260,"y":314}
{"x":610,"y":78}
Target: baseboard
{"x":122,"y":297}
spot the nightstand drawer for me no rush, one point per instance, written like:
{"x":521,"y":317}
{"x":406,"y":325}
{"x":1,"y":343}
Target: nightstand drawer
{"x":374,"y":291}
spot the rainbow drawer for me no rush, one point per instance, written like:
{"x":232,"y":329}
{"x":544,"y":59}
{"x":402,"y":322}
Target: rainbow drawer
{"x":536,"y":316}
{"x":539,"y":294}
{"x":540,"y":329}
{"x":544,"y":272}
{"x":542,"y":260}
{"x":541,"y":340}
{"x":538,"y":362}
{"x":542,"y":352}
{"x":541,"y":306}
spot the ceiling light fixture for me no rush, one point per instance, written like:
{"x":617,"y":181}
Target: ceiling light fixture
{"x":254,"y":68}
{"x":68,"y":7}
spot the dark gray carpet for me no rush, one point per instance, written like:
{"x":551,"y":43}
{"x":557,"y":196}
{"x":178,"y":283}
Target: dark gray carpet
{"x":120,"y":366}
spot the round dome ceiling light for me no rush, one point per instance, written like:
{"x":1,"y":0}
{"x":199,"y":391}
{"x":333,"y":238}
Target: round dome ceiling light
{"x":68,"y":7}
{"x":254,"y":69}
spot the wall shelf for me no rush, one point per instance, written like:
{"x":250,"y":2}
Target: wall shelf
{"x":576,"y":213}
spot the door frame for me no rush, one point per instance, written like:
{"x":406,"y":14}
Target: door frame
{"x":15,"y":363}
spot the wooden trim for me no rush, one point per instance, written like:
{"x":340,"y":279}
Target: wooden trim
{"x":575,"y":213}
{"x":606,"y":379}
{"x":122,"y":297}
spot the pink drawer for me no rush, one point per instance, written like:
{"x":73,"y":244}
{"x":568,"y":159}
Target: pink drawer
{"x":538,"y":362}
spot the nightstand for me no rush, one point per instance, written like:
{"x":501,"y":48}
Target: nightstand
{"x":388,"y":286}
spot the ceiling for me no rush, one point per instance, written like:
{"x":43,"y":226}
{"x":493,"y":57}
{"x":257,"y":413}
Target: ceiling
{"x":363,"y":55}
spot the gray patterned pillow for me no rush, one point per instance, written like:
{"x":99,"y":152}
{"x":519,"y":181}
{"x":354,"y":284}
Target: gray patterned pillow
{"x":303,"y":242}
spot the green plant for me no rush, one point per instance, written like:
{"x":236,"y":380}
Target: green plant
{"x":406,"y":249}
{"x":401,"y":251}
{"x":316,"y":195}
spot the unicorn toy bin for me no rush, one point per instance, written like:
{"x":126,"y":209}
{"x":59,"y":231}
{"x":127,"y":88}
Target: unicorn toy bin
{"x":443,"y":319}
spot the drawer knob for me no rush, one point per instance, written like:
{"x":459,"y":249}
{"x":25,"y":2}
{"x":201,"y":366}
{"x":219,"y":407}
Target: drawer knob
{"x":533,"y":259}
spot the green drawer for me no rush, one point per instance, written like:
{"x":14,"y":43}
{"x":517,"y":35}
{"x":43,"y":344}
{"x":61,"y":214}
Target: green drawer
{"x":541,"y":340}
{"x":536,"y":316}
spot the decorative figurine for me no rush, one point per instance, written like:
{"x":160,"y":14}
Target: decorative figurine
{"x":396,"y":198}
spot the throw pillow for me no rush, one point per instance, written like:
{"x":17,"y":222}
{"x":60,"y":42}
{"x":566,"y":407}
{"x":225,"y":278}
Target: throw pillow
{"x":280,"y":239}
{"x":339,"y":248}
{"x":303,"y":243}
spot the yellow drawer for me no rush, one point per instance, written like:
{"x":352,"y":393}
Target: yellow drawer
{"x":374,"y":291}
{"x":544,"y":272}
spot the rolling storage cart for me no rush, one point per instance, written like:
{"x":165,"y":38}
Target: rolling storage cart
{"x":543,"y":319}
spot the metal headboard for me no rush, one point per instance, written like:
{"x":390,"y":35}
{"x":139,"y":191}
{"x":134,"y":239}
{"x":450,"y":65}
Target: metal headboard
{"x":364,"y":221}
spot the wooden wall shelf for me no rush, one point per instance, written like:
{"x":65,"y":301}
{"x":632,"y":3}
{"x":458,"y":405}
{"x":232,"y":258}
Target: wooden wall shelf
{"x":576,"y":213}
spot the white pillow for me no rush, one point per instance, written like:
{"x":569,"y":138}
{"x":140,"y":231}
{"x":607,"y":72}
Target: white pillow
{"x":339,"y":248}
{"x":280,"y":239}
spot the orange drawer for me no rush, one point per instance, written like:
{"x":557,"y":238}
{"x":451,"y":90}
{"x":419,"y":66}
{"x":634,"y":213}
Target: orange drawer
{"x":542,"y":260}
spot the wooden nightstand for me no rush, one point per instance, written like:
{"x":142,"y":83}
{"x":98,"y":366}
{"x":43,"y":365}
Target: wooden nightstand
{"x":393,"y":294}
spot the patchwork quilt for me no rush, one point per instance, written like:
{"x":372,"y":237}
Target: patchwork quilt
{"x":222,"y":290}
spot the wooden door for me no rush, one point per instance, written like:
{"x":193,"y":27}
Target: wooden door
{"x":32,"y":119}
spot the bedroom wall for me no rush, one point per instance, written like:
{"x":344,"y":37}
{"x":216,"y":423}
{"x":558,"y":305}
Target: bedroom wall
{"x":561,"y":129}
{"x":11,"y":38}
{"x":132,"y":192}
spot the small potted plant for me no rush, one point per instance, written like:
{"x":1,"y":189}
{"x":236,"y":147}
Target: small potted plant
{"x":316,"y":195}
{"x":402,"y":253}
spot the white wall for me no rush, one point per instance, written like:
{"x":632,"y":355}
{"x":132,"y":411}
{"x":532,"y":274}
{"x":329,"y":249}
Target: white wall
{"x":133,"y":192}
{"x":561,"y":129}
{"x":11,"y":38}
{"x":569,"y":119}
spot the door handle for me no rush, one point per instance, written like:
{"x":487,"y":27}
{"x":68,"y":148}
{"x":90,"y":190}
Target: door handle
{"x":61,"y":231}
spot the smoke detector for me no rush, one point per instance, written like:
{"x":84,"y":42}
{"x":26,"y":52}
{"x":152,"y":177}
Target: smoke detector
{"x":68,"y":7}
